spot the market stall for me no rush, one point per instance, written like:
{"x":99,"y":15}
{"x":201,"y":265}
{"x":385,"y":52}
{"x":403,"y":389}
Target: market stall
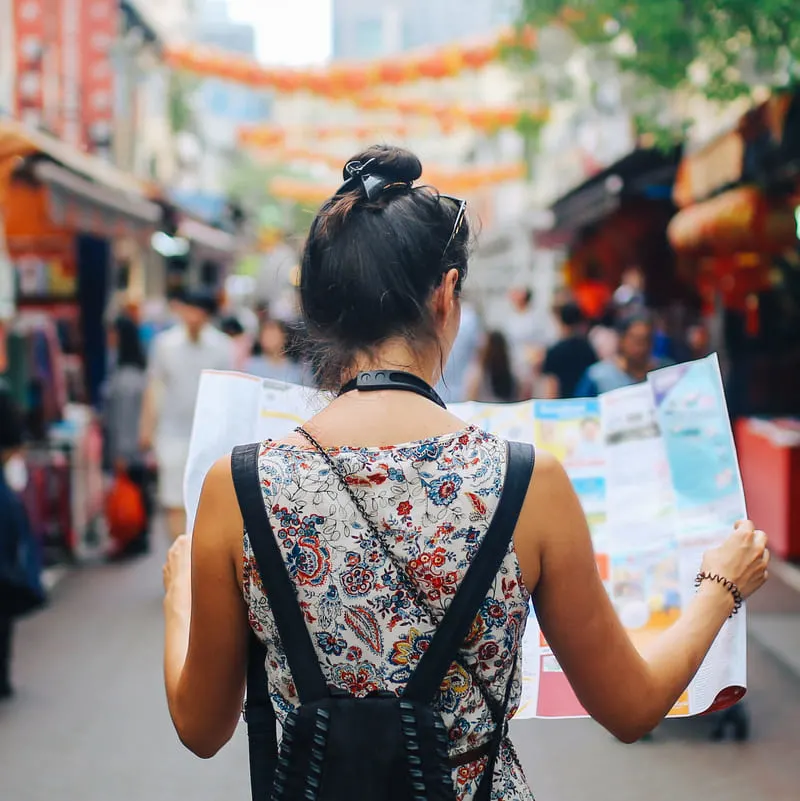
{"x":614,"y":220}
{"x":62,"y":213}
{"x":737,"y":236}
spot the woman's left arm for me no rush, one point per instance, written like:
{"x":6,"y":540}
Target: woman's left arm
{"x":206,"y":625}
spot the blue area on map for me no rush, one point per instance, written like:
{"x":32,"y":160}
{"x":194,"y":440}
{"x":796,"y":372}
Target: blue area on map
{"x":590,"y":488}
{"x":697,"y":434}
{"x":568,"y":410}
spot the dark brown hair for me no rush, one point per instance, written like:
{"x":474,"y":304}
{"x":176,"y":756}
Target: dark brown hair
{"x":497,"y":366}
{"x":370,"y":266}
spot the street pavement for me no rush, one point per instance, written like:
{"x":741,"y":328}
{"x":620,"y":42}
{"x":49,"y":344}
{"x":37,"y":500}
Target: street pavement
{"x":90,"y":723}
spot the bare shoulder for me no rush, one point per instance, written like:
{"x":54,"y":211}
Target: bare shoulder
{"x":549,"y":503}
{"x":218,"y":515}
{"x":552,"y":510}
{"x":549,"y":476}
{"x":219,"y":479}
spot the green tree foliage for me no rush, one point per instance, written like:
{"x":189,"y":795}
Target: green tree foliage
{"x":719,"y":48}
{"x":248,"y":181}
{"x":181,"y":114}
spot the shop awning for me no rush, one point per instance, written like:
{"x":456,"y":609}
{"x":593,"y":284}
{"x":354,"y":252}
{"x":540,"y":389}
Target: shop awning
{"x":83,"y":191}
{"x":763,"y":148}
{"x":741,"y":220}
{"x":17,"y":140}
{"x":211,"y":242}
{"x":642,"y":174}
{"x":716,"y":166}
{"x":93,"y":208}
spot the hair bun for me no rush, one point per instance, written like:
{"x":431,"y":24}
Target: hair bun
{"x":394,"y":163}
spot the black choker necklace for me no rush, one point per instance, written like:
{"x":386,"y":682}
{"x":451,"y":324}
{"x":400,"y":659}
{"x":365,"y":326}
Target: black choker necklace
{"x":376,"y":380}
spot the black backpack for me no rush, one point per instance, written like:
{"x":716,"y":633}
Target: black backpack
{"x":336,"y":747}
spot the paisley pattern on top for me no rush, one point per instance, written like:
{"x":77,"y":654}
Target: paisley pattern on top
{"x":432,"y":502}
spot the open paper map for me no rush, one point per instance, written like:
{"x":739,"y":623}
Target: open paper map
{"x":654,"y":466}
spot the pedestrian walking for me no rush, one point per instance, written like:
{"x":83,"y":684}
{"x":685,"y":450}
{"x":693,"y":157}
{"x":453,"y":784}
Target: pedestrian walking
{"x":629,"y":298}
{"x":271,"y":358}
{"x":452,"y":386}
{"x":389,"y":561}
{"x":490,"y":378}
{"x":241,"y":340}
{"x":567,"y":360}
{"x":123,"y":398}
{"x":630,"y":365}
{"x":178,"y":358}
{"x":21,"y":588}
{"x":527,"y":335}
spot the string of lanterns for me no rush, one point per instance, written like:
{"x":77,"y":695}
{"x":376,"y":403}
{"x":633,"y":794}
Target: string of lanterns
{"x":343,"y":80}
{"x":446,"y":117}
{"x":460,"y":182}
{"x":263,"y":137}
{"x":360,"y":84}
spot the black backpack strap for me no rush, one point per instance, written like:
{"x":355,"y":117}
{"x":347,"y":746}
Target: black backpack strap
{"x":484,"y":790}
{"x":259,"y":715}
{"x":297,"y":645}
{"x":436,"y":661}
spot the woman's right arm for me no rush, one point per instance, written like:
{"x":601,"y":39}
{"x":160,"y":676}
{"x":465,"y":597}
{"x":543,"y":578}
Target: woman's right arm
{"x":626,"y":692}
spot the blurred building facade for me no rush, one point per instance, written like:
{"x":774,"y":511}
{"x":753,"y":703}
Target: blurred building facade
{"x":370,"y":29}
{"x":57,"y":71}
{"x":223,"y":108}
{"x":96,"y":83}
{"x":365,"y":29}
{"x":143,"y":141}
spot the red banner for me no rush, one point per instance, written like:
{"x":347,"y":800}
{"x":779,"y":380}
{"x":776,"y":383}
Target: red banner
{"x":99,"y":29}
{"x":32,"y":56}
{"x":65,"y":78}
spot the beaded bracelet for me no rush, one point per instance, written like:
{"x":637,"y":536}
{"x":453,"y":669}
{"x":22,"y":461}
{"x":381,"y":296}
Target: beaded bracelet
{"x":729,"y":585}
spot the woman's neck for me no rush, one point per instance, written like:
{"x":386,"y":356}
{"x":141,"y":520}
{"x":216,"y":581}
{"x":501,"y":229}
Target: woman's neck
{"x":397,"y":355}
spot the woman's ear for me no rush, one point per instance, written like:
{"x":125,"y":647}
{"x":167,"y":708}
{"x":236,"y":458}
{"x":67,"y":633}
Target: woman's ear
{"x":445,"y":299}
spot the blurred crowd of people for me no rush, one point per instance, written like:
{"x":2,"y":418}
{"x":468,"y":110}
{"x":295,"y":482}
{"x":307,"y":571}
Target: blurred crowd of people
{"x":600,"y":341}
{"x":153,"y":381}
{"x":594,"y":343}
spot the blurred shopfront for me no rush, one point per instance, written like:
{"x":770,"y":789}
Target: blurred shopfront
{"x":615,"y":220}
{"x":736,"y":235}
{"x":63,"y":215}
{"x":77,"y":245}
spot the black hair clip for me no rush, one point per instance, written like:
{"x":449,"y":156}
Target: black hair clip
{"x":373,"y":184}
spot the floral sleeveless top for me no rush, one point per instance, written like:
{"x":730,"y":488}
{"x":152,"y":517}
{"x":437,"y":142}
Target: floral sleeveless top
{"x":432,"y":501}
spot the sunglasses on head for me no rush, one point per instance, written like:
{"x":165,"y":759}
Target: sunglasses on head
{"x":459,"y":221}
